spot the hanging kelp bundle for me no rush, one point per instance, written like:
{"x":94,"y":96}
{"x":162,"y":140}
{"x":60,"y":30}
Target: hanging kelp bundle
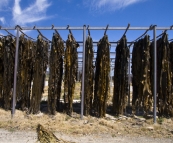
{"x":56,"y":72}
{"x":89,"y":75}
{"x":120,"y":77}
{"x":1,"y":69}
{"x":171,"y":68}
{"x":8,"y":61}
{"x":29,"y":69}
{"x":145,"y":83}
{"x":70,"y":63}
{"x":164,"y":77}
{"x":102,"y":73}
{"x":39,"y":70}
{"x":142,"y":96}
{"x":24,"y":76}
{"x":136,"y":72}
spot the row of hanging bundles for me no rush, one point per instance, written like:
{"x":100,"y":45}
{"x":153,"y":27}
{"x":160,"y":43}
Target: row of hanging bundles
{"x":33,"y":61}
{"x":143,"y":76}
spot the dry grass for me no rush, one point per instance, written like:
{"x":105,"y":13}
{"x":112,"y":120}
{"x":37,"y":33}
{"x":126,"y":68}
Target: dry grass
{"x":65,"y":124}
{"x":76,"y":91}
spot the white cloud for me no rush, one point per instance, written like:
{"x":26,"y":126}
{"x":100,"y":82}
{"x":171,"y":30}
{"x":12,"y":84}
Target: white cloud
{"x":2,"y":20}
{"x":109,"y":5}
{"x":33,"y":13}
{"x":3,"y":4}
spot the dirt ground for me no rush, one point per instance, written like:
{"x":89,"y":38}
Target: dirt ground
{"x":123,"y":129}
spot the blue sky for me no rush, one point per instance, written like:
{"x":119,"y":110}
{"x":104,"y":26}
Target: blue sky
{"x":88,"y":12}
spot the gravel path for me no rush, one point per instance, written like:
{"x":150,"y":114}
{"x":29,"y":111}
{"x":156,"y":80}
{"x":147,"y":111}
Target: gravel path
{"x":31,"y":137}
